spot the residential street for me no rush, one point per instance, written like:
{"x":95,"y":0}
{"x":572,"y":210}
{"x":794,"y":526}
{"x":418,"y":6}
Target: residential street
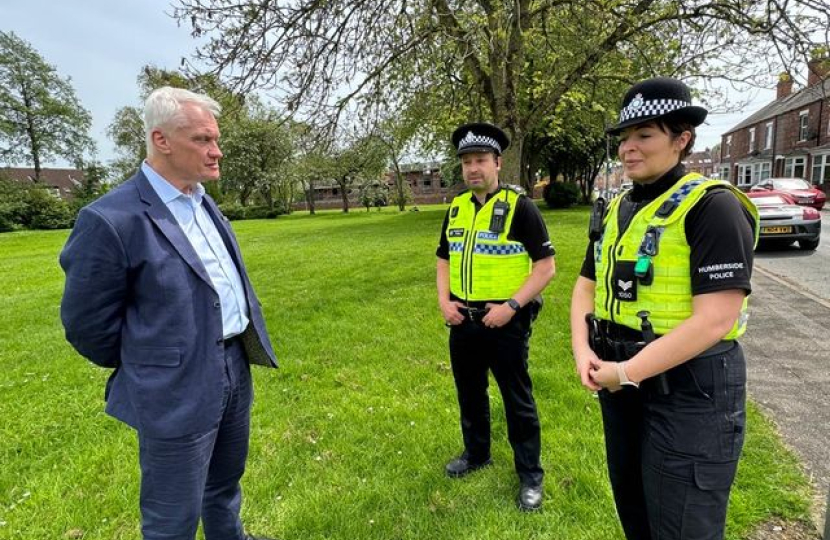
{"x":788,"y":354}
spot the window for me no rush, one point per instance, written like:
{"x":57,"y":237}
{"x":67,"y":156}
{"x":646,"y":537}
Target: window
{"x":752,"y":173}
{"x":803,"y":120}
{"x":427,"y":182}
{"x":795,"y":167}
{"x":728,"y":149}
{"x":724,"y":174}
{"x":744,"y":175}
{"x":751,"y":139}
{"x":764,"y":171}
{"x":821,"y":169}
{"x":768,"y":136}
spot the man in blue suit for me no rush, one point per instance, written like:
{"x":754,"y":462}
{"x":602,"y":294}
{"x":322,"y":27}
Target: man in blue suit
{"x":156,"y":289}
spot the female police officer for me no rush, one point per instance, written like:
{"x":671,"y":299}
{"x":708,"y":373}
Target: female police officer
{"x":664,"y":289}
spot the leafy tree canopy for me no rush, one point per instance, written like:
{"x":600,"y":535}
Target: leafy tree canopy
{"x":40,"y":116}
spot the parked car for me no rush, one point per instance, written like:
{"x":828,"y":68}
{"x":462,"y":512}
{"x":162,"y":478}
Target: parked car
{"x":801,"y":191}
{"x":784,"y":221}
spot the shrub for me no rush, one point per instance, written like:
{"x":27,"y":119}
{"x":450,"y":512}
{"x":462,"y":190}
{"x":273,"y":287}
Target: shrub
{"x":235,"y":211}
{"x":561,"y":194}
{"x":12,"y":205}
{"x":45,"y":211}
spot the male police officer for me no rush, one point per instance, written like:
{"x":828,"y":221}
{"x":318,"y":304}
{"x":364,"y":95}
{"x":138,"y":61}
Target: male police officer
{"x":494,"y":260}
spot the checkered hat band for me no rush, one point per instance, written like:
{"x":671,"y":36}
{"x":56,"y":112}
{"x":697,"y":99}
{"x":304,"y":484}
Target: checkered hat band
{"x":651,"y":107}
{"x":499,"y":250}
{"x":471,"y":139}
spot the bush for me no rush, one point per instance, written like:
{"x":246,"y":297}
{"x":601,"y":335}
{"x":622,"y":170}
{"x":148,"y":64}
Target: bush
{"x":32,"y":207}
{"x":45,"y":211}
{"x":235,"y":211}
{"x":232,"y":211}
{"x":10,"y":212}
{"x":561,"y":194}
{"x":12,"y":205}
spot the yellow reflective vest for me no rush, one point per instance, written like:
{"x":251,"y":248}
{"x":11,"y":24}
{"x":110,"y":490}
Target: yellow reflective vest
{"x":484,"y":265}
{"x":656,"y":239}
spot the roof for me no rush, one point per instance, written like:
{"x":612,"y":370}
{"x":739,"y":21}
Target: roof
{"x":65,"y":180}
{"x":795,"y":101}
{"x":702,"y":157}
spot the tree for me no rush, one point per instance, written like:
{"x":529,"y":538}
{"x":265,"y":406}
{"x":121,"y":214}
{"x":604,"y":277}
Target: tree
{"x":511,"y":62}
{"x":127,"y":127}
{"x":257,"y":149}
{"x":127,"y":133}
{"x":40,"y":117}
{"x":357,"y":161}
{"x":373,"y":193}
{"x":93,"y":185}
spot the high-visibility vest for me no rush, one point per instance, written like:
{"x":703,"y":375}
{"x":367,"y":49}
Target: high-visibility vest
{"x":666,"y":291}
{"x":484,"y":265}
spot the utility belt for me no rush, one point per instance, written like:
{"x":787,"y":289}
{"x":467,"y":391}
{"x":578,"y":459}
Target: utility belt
{"x":474,"y":314}
{"x":474,"y":311}
{"x":605,"y":342}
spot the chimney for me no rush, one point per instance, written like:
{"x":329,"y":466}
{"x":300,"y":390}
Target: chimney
{"x":785,"y":85}
{"x":817,"y":70}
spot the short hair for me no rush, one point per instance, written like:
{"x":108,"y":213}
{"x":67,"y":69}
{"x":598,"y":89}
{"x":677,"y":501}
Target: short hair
{"x":164,"y":106}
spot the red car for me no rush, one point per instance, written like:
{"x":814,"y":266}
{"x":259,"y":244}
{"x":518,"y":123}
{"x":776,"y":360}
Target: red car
{"x":799,"y":189}
{"x":784,"y":222}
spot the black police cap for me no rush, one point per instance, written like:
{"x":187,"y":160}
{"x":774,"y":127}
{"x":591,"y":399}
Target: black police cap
{"x":479,"y":137}
{"x":657,"y":98}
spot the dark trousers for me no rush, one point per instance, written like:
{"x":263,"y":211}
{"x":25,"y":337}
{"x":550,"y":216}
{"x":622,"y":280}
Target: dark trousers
{"x":198,"y":475}
{"x":672,"y":458}
{"x":475,"y":349}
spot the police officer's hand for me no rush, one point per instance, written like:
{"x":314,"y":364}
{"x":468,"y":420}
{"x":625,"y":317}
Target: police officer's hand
{"x":583,"y":361}
{"x":605,"y":374}
{"x":498,"y":315}
{"x":449,"y":309}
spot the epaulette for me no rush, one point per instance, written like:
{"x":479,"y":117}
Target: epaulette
{"x":516,"y":189}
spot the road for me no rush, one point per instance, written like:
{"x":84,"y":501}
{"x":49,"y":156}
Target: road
{"x":788,"y":353}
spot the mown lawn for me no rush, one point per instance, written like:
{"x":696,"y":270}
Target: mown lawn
{"x":351,"y":435}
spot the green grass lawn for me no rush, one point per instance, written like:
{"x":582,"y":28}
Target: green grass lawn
{"x":351,"y":435}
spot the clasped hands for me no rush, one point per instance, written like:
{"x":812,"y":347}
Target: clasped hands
{"x":497,"y":315}
{"x":596,"y":374}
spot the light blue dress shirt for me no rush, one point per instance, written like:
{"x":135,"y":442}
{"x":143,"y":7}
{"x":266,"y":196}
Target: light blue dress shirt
{"x":205,"y":239}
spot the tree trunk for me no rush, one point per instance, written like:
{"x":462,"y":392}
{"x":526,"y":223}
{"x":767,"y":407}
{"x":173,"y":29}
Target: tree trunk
{"x":244,"y":193}
{"x":344,"y":194}
{"x":511,"y":167}
{"x":309,"y":197}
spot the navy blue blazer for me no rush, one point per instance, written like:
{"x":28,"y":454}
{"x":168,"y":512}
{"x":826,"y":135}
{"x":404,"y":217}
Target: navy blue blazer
{"x":138,"y":299}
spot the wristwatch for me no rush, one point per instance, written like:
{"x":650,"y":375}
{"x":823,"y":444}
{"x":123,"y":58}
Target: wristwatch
{"x":514,"y":304}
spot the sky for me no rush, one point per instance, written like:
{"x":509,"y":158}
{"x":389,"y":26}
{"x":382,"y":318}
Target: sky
{"x":103,"y":44}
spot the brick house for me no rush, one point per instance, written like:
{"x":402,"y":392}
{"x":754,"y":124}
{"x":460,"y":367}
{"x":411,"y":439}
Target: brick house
{"x":60,"y":182}
{"x":789,"y":137}
{"x":424,"y":179}
{"x":700,"y":162}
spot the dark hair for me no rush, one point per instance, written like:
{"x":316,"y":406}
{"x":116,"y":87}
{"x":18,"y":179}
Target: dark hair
{"x":675,"y":128}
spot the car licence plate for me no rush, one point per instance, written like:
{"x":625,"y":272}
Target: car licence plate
{"x":776,"y":230}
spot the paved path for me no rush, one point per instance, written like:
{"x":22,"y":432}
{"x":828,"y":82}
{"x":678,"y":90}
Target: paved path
{"x":788,"y":360}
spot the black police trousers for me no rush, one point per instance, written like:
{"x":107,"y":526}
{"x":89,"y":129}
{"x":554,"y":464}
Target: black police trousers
{"x":475,"y":349}
{"x":672,"y":458}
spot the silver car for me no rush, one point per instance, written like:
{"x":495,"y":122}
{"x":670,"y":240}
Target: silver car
{"x":782,"y":220}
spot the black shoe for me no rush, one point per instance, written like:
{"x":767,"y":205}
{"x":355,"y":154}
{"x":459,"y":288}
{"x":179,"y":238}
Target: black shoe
{"x":530,"y":498}
{"x":462,"y":466}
